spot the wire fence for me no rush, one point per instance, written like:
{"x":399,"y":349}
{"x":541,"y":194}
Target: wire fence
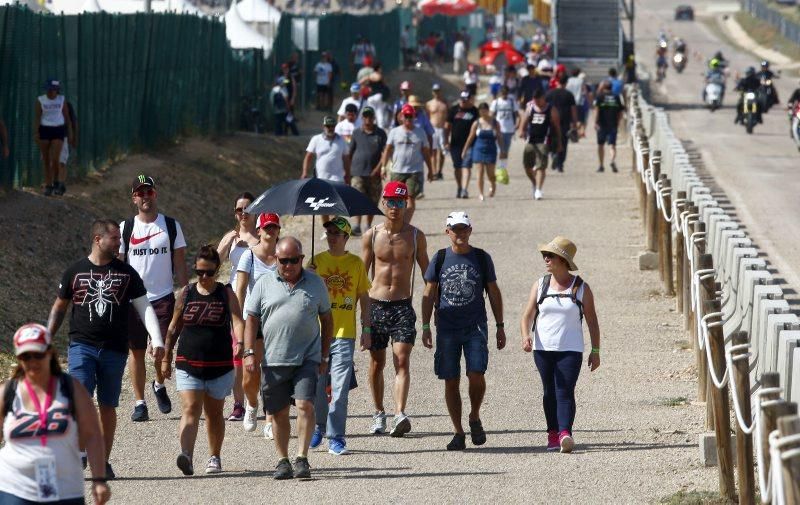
{"x":786,"y":27}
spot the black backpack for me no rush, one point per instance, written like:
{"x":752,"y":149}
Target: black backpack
{"x":573,"y":295}
{"x":172,"y":231}
{"x":64,"y":383}
{"x":483,"y":263}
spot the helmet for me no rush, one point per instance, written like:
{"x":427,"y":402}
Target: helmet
{"x":764,"y":64}
{"x":714,"y":64}
{"x":750,"y":72}
{"x":718,"y":55}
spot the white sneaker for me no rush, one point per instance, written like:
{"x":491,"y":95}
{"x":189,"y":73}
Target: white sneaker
{"x":214,"y":465}
{"x":402,"y":425}
{"x":537,"y":194}
{"x":250,"y":418}
{"x":268,"y":432}
{"x":378,"y":423}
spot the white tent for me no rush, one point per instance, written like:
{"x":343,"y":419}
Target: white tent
{"x":258,"y":11}
{"x":240,"y":35}
{"x":91,"y":6}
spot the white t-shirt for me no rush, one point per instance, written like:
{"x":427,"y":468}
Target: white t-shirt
{"x":459,"y":50}
{"x":329,"y":152}
{"x":504,"y":110}
{"x":323,"y":71}
{"x":234,"y":256}
{"x":347,"y":101}
{"x":150,"y":256}
{"x":254,"y":268}
{"x":559,"y":326}
{"x":470,"y":77}
{"x":345,"y":129}
{"x":575,"y":86}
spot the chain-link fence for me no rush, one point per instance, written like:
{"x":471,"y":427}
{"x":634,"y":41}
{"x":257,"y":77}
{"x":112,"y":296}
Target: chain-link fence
{"x":785,"y":27}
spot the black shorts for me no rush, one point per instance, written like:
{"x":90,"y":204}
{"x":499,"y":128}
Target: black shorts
{"x":52,"y":132}
{"x":323,"y":89}
{"x":137,"y":333}
{"x":392,"y":320}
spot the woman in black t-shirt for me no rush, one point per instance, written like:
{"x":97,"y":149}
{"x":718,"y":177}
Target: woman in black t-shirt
{"x":204,"y":377}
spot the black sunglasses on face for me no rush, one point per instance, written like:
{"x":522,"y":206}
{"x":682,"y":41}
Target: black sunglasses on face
{"x":205,"y":273}
{"x":27,"y":356}
{"x":548,"y":256}
{"x":240,"y":210}
{"x":290,"y":261}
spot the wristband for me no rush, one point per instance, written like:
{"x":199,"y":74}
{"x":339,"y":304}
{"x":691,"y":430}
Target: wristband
{"x":595,"y":350}
{"x":239,"y":343}
{"x":426,"y":326}
{"x":99,"y":480}
{"x":367,"y":329}
{"x":500,"y":325}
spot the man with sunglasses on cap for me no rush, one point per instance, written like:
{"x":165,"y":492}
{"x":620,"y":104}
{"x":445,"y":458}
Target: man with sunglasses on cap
{"x":103,"y":291}
{"x":366,"y":147}
{"x":354,"y":99}
{"x":153,"y":244}
{"x":293,"y":308}
{"x":456,"y":132}
{"x":346,"y":278}
{"x":455,"y":282}
{"x":393,"y":250}
{"x":409,"y":149}
{"x":331,"y":153}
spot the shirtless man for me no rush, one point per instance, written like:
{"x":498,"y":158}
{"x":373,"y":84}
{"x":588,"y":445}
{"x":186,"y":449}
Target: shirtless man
{"x":437,"y":113}
{"x":392,"y":251}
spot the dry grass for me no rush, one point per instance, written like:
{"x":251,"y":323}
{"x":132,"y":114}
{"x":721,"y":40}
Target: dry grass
{"x":767,"y":35}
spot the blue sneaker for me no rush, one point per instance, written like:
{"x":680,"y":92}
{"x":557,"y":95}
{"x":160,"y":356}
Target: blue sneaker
{"x":337,"y":447}
{"x":316,"y":438}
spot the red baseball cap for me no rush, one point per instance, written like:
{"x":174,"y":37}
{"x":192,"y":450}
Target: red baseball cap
{"x":265,"y":220}
{"x":408,"y":110}
{"x":395,"y":189}
{"x":31,"y":337}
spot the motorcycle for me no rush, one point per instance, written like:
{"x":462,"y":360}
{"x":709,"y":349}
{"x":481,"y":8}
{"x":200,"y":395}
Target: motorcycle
{"x":713,"y":91}
{"x":794,"y":119}
{"x":750,"y":110}
{"x":766,"y":95}
{"x":679,"y":62}
{"x":661,"y":68}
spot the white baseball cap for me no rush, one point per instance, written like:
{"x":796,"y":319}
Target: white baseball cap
{"x":458,"y":217}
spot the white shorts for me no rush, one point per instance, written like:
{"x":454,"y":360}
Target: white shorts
{"x":64,"y":156}
{"x":438,"y":139}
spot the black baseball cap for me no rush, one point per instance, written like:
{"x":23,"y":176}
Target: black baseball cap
{"x":142,"y":180}
{"x":367,"y":111}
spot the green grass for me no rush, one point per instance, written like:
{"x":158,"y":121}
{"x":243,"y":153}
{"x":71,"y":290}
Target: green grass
{"x":676,"y":401}
{"x":694,"y":498}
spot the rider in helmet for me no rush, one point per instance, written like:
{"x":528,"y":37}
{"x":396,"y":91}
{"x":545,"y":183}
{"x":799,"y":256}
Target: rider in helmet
{"x":765,"y":74}
{"x":680,"y":45}
{"x":716,"y":73}
{"x":750,"y":82}
{"x":718,"y":60}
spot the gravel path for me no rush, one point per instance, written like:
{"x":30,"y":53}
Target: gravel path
{"x":632,"y":446}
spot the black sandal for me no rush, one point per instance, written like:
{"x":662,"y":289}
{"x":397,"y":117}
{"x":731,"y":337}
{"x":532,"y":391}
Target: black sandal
{"x":476,"y":432}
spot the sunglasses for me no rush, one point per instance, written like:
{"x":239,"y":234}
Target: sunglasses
{"x":336,"y":233}
{"x":407,"y":116}
{"x":205,"y":273}
{"x":461,"y":228}
{"x":290,"y":261}
{"x":144,"y":192}
{"x":240,"y":210}
{"x":27,"y":356}
{"x":396,"y":204}
{"x":548,"y":256}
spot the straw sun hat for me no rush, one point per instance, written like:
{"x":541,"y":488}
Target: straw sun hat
{"x":563,"y":248}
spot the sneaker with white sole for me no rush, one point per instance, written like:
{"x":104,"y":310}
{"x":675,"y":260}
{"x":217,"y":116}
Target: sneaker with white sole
{"x":250,"y":418}
{"x":566,"y":441}
{"x":316,"y":437}
{"x":268,"y":432}
{"x":537,"y":195}
{"x":402,"y":425}
{"x":378,"y":423}
{"x":337,"y":447}
{"x":214,"y":465}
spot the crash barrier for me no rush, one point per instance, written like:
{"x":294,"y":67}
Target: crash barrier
{"x":140,"y":80}
{"x":746,"y":339}
{"x":784,"y":25}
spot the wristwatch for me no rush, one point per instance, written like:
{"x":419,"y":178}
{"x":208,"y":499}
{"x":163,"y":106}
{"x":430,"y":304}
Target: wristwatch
{"x":248,"y":352}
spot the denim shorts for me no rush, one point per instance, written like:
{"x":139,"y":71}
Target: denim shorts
{"x":607,"y":137}
{"x":218,"y":388}
{"x":458,"y":161}
{"x":96,"y":367}
{"x":473,"y":341}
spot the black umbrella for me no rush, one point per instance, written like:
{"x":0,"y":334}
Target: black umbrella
{"x":304,"y":197}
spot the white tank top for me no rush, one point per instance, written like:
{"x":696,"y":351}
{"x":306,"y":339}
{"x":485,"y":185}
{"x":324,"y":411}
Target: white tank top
{"x":559,"y":326}
{"x":235,"y":255}
{"x":52,"y":111}
{"x":21,"y":449}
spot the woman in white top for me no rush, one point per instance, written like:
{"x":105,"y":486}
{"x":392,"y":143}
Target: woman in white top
{"x":506,"y":111}
{"x":231,"y":247}
{"x":254,"y":263}
{"x":52,"y":125}
{"x":43,"y":464}
{"x":558,"y":303}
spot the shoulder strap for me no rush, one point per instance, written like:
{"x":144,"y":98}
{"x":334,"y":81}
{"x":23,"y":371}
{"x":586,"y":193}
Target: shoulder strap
{"x":437,"y":266}
{"x":172,"y":232}
{"x":372,"y":263}
{"x":127,"y":231}
{"x":8,"y":396}
{"x":68,"y":390}
{"x":414,"y":262}
{"x":252,"y":266}
{"x":483,"y":263}
{"x":576,"y":286}
{"x":543,"y":290}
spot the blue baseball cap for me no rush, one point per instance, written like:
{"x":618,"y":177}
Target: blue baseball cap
{"x":355,"y":87}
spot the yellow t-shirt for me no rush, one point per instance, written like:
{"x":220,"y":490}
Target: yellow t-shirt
{"x":346,"y":279}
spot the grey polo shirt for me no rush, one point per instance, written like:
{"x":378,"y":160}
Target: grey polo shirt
{"x":289,"y":317}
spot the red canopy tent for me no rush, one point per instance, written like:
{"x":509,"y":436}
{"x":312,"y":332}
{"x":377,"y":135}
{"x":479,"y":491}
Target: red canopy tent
{"x":447,"y":7}
{"x":500,"y":54}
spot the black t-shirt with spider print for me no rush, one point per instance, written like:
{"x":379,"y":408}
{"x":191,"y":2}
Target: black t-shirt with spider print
{"x":101,"y":296}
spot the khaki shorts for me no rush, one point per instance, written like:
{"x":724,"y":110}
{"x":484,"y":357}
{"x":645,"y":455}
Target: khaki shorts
{"x":412,"y":180}
{"x":370,"y":186}
{"x":535,"y":156}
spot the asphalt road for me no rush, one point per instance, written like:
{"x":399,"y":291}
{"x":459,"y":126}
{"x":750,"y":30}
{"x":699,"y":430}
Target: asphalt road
{"x":758,"y":172}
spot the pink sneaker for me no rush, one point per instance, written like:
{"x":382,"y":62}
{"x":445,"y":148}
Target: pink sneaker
{"x":565,"y":441}
{"x":552,"y":441}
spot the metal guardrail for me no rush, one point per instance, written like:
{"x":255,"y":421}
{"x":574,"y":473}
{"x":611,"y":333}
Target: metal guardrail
{"x":761,"y":10}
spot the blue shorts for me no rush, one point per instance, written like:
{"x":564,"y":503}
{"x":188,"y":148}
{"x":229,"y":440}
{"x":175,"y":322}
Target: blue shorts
{"x":218,"y":388}
{"x":607,"y":137}
{"x":449,"y":345}
{"x":96,"y":367}
{"x":507,"y":138}
{"x":458,"y":162}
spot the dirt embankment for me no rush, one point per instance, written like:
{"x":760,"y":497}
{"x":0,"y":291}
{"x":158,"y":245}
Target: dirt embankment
{"x":197,"y":181}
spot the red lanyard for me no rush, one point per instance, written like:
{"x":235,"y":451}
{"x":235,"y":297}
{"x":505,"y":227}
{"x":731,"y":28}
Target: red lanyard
{"x":48,"y":401}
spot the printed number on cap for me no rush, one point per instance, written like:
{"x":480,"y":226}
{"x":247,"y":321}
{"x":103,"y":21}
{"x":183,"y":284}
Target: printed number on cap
{"x":400,"y":191}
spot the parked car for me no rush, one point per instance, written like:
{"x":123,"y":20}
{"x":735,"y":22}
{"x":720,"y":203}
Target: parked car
{"x":684,"y":13}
